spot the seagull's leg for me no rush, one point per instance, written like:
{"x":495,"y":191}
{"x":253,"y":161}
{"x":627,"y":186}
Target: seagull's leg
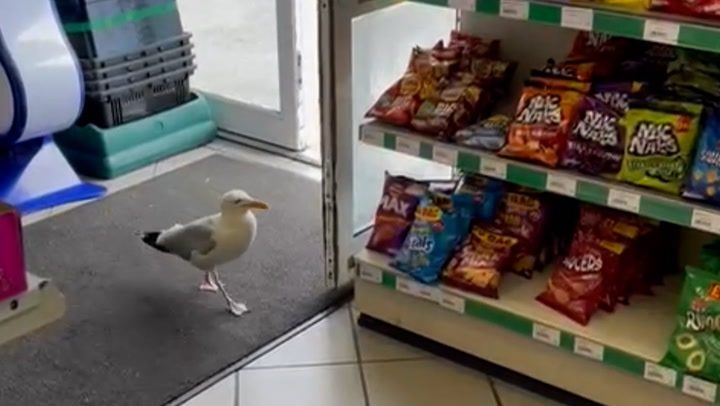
{"x":208,"y":284}
{"x":235,"y":308}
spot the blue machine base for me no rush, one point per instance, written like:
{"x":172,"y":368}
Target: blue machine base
{"x":34,"y":176}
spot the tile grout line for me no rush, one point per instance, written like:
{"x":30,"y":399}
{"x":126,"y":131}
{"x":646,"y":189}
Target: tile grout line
{"x":336,"y":363}
{"x":356,"y":342}
{"x":237,"y":388}
{"x":494,"y":391}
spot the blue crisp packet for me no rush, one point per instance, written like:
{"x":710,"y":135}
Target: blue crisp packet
{"x":704,"y":179}
{"x":486,"y":193}
{"x":432,"y":237}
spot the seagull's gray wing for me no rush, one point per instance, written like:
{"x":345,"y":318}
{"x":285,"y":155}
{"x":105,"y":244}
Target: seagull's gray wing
{"x":182,"y":240}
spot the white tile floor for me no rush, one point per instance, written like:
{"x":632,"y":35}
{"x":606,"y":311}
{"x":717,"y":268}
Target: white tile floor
{"x":334,"y":362}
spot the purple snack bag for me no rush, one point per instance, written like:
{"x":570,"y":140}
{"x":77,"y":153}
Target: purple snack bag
{"x":395,"y":213}
{"x":616,"y":95}
{"x":597,"y":140}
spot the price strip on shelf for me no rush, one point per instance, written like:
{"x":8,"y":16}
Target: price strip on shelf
{"x":561,"y":184}
{"x":662,"y":375}
{"x":372,"y":137}
{"x":408,"y":146}
{"x":699,"y":388}
{"x":705,"y":221}
{"x":622,"y":200}
{"x":452,"y":302}
{"x":546,"y":334}
{"x":589,"y":349}
{"x":370,"y":274}
{"x":462,"y":4}
{"x":445,"y":155}
{"x":577,"y":18}
{"x":515,"y":9}
{"x":493,"y":168}
{"x":665,"y":32}
{"x":416,"y":289}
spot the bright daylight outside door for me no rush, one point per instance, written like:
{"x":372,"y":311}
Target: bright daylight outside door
{"x":374,"y":53}
{"x":249,"y":66}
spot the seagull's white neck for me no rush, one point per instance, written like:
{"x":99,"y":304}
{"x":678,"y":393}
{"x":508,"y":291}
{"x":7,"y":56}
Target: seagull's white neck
{"x":235,"y":215}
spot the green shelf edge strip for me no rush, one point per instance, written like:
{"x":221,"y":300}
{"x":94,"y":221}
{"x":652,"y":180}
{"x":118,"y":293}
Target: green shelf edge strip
{"x":120,"y":19}
{"x":658,"y":209}
{"x":609,"y":22}
{"x":611,"y":357}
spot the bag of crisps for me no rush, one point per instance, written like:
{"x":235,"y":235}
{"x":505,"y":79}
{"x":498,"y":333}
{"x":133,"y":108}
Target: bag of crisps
{"x":395,"y":213}
{"x":704,"y":180}
{"x":695,"y":345}
{"x":431,"y":239}
{"x":541,"y":126}
{"x":485,"y":193}
{"x":478,"y":264}
{"x":658,"y":146}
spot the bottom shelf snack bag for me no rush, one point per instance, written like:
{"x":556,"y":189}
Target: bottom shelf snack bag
{"x":695,"y":344}
{"x":433,"y":235}
{"x":481,"y":260}
{"x":704,"y":179}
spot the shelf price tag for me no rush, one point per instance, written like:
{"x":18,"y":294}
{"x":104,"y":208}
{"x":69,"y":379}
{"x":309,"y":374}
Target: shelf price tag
{"x":705,"y":221}
{"x":452,"y":302}
{"x":515,"y":9}
{"x":665,"y":32}
{"x":462,"y":4}
{"x":371,"y":274}
{"x":408,"y":146}
{"x":577,"y":18}
{"x":622,"y":200}
{"x":589,"y":349}
{"x":372,"y":137}
{"x":445,"y":155}
{"x":546,"y":334}
{"x":561,"y":184}
{"x":493,"y":168}
{"x":662,"y":375}
{"x":699,"y":388}
{"x":419,"y":290}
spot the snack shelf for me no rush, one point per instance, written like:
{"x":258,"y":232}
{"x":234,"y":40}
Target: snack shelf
{"x":621,"y":340}
{"x":655,"y":27}
{"x":39,"y":306}
{"x":594,"y":190}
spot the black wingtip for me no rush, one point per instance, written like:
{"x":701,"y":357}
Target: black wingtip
{"x":150,"y":238}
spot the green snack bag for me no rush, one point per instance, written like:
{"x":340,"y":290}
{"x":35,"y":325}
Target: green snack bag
{"x":659,"y":144}
{"x":695,"y":344}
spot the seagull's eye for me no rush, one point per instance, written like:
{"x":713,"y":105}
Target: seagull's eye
{"x":238,"y":201}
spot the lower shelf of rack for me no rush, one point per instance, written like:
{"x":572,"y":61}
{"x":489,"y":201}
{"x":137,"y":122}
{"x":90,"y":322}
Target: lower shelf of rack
{"x":40,"y":306}
{"x":618,"y":351}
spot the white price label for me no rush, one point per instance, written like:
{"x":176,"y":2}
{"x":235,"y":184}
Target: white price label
{"x":546,"y":334}
{"x":699,"y":388}
{"x":622,"y":200}
{"x":577,"y":18}
{"x":656,"y":373}
{"x":589,"y":349}
{"x":705,"y":221}
{"x":408,"y":146}
{"x":405,"y":286}
{"x":665,"y":32}
{"x":444,"y":155}
{"x":516,"y":9}
{"x":374,"y":138}
{"x":430,"y":293}
{"x":561,"y":184}
{"x":462,"y":4}
{"x":369,"y":274}
{"x":493,"y":168}
{"x":452,"y":302}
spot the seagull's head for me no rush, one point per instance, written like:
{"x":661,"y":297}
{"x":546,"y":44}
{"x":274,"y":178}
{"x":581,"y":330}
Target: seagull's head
{"x":239,"y":202}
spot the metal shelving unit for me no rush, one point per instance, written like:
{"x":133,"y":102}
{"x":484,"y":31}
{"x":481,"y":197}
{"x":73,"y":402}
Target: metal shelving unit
{"x":614,"y":360}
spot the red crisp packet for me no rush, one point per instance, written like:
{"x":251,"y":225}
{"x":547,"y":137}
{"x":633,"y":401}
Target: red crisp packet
{"x":542,"y":123}
{"x":576,"y":285}
{"x":395,"y":213}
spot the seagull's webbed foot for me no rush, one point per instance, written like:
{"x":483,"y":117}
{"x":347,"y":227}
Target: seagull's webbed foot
{"x":208,"y":284}
{"x":236,"y":308}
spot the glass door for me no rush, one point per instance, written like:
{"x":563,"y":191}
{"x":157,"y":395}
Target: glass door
{"x":249,"y":66}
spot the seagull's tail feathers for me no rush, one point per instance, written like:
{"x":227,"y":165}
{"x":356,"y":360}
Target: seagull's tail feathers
{"x":151,"y":238}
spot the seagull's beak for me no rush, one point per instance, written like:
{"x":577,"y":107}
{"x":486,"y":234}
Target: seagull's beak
{"x":257,"y":205}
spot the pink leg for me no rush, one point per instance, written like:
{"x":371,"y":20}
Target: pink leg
{"x":208,"y":284}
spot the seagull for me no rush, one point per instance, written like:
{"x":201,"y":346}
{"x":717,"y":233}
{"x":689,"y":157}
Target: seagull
{"x":211,"y":241}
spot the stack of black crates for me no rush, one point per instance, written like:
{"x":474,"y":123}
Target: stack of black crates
{"x":135,"y":57}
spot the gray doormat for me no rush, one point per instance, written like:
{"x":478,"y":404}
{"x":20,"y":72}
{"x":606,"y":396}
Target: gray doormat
{"x":137,"y":331}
